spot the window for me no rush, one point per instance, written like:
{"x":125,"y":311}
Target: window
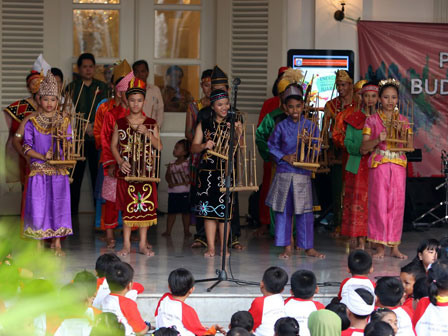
{"x":177,"y":50}
{"x":96,"y":30}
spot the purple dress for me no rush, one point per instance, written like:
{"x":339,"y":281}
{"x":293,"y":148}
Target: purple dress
{"x":47,"y":205}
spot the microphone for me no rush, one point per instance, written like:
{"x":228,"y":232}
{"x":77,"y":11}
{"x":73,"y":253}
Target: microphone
{"x":236,"y":81}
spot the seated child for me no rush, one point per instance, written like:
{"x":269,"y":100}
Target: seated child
{"x":421,"y":290}
{"x":242,"y":319}
{"x":178,"y":179}
{"x":173,"y":311}
{"x":266,"y":310}
{"x":341,"y":310}
{"x":431,"y":315}
{"x":119,"y":276}
{"x":360,"y":302}
{"x":389,"y":292}
{"x":360,"y":266}
{"x":409,"y":274}
{"x":171,"y":331}
{"x":106,"y":324}
{"x":427,"y":253}
{"x":301,"y":304}
{"x":88,"y":280}
{"x":287,"y":326}
{"x":75,"y":319}
{"x":385,"y":315}
{"x":378,"y":328}
{"x":238,"y":331}
{"x":102,"y":263}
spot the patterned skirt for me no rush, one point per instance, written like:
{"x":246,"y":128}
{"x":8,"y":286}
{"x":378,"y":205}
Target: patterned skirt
{"x":355,"y":205}
{"x":210,"y":201}
{"x":301,"y":186}
{"x":138,"y":203}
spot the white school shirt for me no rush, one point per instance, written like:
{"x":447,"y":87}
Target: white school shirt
{"x":300,"y":310}
{"x":404,"y":320}
{"x":103,"y":291}
{"x":430,"y":320}
{"x":171,"y":312}
{"x":266,"y":310}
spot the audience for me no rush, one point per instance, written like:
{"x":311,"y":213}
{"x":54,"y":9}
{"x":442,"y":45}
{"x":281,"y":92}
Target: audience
{"x":242,"y":319}
{"x":409,"y":274}
{"x":379,"y":329}
{"x":385,"y":315}
{"x":301,"y":304}
{"x":360,"y":302}
{"x":389,"y":292}
{"x":266,"y":310}
{"x":360,"y":266}
{"x":173,"y":311}
{"x":287,"y":326}
{"x":119,"y":276}
{"x":324,"y":323}
{"x":341,"y":310}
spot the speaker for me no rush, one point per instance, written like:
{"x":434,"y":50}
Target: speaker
{"x":421,"y":196}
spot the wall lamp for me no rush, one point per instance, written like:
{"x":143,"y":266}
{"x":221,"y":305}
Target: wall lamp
{"x":339,"y":15}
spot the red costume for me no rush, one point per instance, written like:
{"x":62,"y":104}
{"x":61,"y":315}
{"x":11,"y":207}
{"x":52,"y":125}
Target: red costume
{"x":136,"y":200}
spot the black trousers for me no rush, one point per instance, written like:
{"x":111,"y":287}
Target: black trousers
{"x":91,"y":155}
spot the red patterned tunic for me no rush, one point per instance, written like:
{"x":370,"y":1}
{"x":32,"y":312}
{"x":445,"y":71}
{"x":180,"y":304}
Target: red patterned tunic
{"x":136,"y":200}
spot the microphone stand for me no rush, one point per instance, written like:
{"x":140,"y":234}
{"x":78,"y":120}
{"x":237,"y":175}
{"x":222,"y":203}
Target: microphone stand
{"x":222,"y":273}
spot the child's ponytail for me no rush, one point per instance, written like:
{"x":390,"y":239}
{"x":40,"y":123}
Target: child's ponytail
{"x":438,"y":279}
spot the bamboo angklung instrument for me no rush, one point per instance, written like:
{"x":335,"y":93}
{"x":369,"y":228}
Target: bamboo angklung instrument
{"x":399,"y":128}
{"x":144,"y":158}
{"x":244,"y":174}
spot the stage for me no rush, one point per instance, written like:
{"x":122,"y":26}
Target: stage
{"x":84,"y":247}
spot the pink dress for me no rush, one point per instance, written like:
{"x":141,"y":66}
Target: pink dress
{"x":387,"y":184}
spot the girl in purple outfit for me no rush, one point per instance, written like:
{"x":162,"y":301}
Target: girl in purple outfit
{"x":47,"y":206}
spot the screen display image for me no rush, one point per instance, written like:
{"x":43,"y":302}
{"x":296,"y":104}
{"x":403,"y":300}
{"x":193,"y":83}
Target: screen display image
{"x":320,"y":66}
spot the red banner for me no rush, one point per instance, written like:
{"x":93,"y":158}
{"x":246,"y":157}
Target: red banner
{"x":417,"y":55}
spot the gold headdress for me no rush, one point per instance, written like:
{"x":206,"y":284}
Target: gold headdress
{"x":290,"y":76}
{"x":49,"y":86}
{"x":121,"y":69}
{"x":390,"y":81}
{"x":343,"y":76}
{"x":359,"y":84}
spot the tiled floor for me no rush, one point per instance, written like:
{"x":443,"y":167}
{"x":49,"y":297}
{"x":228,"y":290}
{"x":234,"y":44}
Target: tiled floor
{"x":84,"y":247}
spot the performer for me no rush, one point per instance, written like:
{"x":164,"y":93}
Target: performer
{"x":136,"y":200}
{"x":210,"y":200}
{"x":344,"y":86}
{"x":47,"y":205}
{"x":264,"y":131}
{"x":106,"y":105}
{"x":219,"y":81}
{"x":387,"y":173}
{"x":356,"y":178}
{"x":290,"y":193}
{"x":109,"y":188}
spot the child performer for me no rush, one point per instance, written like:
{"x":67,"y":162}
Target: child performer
{"x":136,"y":200}
{"x":178,"y":178}
{"x":47,"y":206}
{"x":290,"y":193}
{"x":210,"y":200}
{"x":356,"y":174}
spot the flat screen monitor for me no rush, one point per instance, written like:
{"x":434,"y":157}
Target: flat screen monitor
{"x":321,"y":66}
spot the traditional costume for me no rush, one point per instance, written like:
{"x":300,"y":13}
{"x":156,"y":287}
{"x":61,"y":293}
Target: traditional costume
{"x":136,"y":200}
{"x":387,"y":183}
{"x":210,"y":201}
{"x":356,"y":176}
{"x":120,"y":70}
{"x":109,"y":188}
{"x":290,"y":193}
{"x":47,"y":206}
